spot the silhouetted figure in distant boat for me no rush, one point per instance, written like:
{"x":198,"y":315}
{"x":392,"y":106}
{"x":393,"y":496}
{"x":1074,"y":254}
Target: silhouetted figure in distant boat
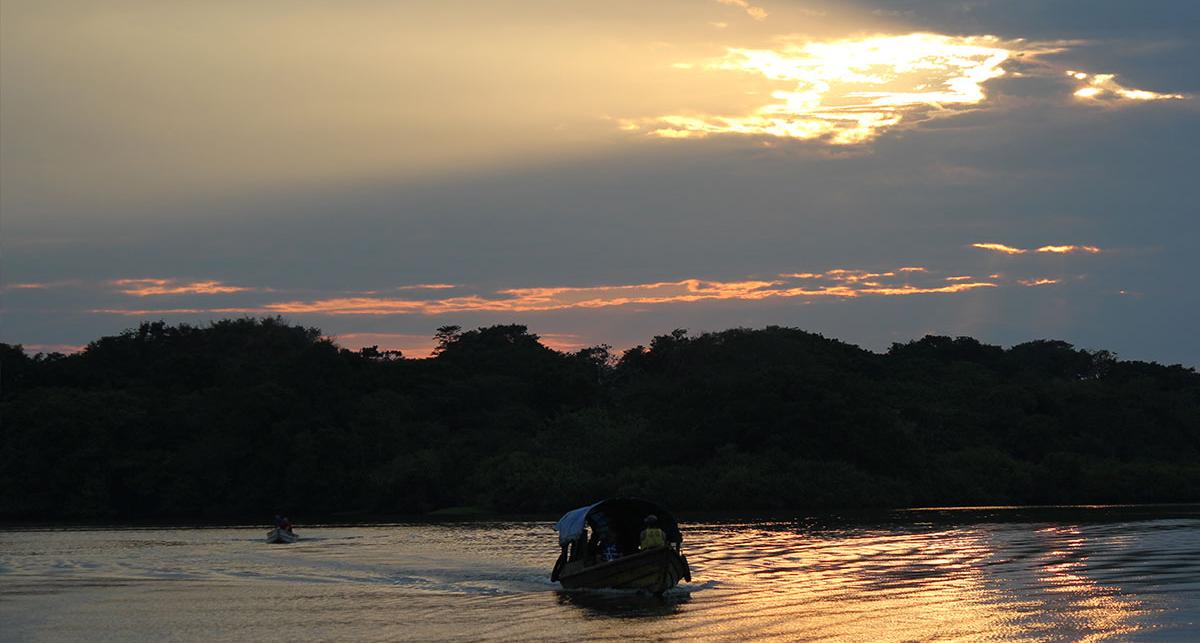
{"x":281,"y":522}
{"x":652,"y":535}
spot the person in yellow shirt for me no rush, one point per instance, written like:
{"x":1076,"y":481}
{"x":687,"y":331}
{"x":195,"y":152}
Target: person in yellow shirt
{"x":652,"y":536}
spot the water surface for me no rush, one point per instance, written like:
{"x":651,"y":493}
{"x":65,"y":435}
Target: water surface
{"x":1081,"y":574}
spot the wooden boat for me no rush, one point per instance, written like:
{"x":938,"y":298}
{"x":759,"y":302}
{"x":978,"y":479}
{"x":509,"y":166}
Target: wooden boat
{"x":278,"y":535}
{"x":653,"y":570}
{"x":600,"y":548}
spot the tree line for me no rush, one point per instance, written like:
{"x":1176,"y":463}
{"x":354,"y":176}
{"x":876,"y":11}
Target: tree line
{"x":242,"y":418}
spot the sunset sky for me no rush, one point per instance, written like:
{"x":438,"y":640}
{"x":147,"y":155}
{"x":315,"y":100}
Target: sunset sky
{"x":605,"y":171}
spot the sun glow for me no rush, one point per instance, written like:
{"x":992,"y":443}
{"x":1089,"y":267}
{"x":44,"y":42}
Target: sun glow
{"x":848,"y":91}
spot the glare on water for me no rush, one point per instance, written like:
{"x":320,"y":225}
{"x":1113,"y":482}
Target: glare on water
{"x":994,"y":575}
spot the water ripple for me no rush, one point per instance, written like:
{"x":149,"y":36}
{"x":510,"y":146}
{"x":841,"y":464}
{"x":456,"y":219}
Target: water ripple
{"x":991,"y":575}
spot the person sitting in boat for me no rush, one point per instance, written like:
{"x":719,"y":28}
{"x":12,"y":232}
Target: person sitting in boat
{"x":285,"y":524}
{"x":652,"y":535}
{"x":609,"y":549}
{"x":575,"y":548}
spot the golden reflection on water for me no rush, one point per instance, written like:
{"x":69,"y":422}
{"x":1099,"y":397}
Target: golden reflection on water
{"x":963,"y":584}
{"x":1100,"y":610}
{"x":921,"y":576}
{"x":922,"y":586}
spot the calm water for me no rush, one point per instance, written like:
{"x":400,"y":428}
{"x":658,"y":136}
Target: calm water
{"x":971,"y":575}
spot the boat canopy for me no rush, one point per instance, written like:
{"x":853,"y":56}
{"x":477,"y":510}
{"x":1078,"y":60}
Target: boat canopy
{"x":623,"y":515}
{"x":572,"y":524}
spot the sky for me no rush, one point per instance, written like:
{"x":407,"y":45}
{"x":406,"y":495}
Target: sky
{"x":605,"y":172}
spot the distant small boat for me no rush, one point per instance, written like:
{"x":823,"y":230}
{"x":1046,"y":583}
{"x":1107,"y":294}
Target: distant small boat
{"x":610,"y":557}
{"x":278,"y":535}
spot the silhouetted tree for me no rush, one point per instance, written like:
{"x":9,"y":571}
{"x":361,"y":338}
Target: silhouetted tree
{"x":232,"y":419}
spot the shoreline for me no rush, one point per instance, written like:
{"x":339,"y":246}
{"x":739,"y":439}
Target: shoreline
{"x":914,"y":515}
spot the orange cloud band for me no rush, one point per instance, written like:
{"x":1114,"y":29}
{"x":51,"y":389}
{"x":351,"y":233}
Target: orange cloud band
{"x":841,"y":283}
{"x":151,"y":287}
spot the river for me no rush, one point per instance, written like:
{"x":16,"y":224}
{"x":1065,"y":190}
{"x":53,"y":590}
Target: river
{"x":984,"y":574}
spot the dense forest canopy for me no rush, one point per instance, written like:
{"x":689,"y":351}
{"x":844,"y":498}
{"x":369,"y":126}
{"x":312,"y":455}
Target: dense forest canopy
{"x":242,"y":418}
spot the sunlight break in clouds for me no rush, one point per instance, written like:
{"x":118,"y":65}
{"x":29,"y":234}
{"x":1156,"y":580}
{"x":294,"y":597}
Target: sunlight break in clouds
{"x":1104,"y":87}
{"x":848,"y":91}
{"x":158,"y":287}
{"x":1062,"y":250}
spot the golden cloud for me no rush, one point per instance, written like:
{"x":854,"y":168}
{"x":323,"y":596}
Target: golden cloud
{"x":999,"y":247}
{"x":1043,"y":281}
{"x":856,"y":276}
{"x":1063,"y":249}
{"x":150,"y":287}
{"x":838,"y":283}
{"x":916,"y":290}
{"x":1105,"y":87}
{"x":758,"y":13}
{"x":1069,"y":249}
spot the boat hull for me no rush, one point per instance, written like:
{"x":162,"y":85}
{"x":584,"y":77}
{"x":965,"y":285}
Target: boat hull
{"x":654,"y":570}
{"x":281,"y":536}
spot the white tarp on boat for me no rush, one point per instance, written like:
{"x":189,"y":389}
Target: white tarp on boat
{"x":572,"y":524}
